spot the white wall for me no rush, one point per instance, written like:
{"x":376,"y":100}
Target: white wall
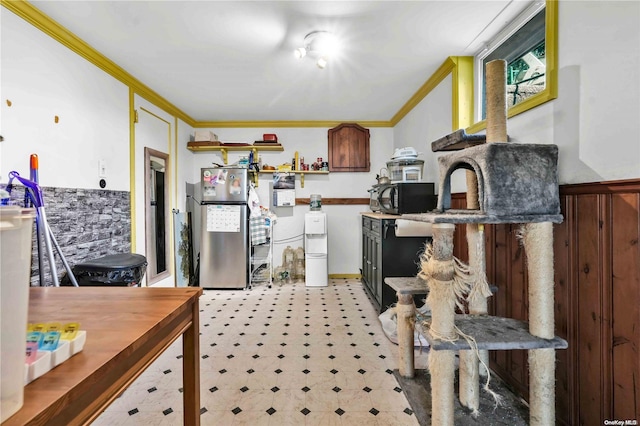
{"x":428,"y":121}
{"x":42,"y":79}
{"x":183,"y":163}
{"x":344,"y":220}
{"x":594,"y":118}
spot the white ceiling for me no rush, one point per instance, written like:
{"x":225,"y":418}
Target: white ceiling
{"x":233,"y":60}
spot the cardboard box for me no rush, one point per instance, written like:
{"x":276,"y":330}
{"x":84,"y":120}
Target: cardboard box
{"x":205,"y":136}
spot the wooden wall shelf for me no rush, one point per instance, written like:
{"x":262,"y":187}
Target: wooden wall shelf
{"x":298,"y":172}
{"x":336,"y":201}
{"x":225,"y":149}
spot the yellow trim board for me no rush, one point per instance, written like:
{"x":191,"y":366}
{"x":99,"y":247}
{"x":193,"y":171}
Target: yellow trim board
{"x":132,"y":167}
{"x":284,"y":123}
{"x":345,"y":276}
{"x":433,"y":81}
{"x":462,"y":92}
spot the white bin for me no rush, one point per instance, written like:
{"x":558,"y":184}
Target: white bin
{"x":16,"y":226}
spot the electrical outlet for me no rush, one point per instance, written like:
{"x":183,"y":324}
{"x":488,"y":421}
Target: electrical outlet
{"x":102,"y":168}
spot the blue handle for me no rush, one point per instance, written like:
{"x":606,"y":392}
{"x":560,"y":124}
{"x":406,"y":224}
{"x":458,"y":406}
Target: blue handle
{"x":38,"y":201}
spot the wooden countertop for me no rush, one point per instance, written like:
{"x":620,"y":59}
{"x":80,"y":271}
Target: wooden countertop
{"x":375,"y":215}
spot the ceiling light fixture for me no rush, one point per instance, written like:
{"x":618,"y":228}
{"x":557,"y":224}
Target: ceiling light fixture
{"x":318,"y":44}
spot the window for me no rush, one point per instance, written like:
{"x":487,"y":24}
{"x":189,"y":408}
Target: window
{"x":528,"y":45}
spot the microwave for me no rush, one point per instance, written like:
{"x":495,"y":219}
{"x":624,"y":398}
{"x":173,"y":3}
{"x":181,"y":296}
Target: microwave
{"x":403,"y":197}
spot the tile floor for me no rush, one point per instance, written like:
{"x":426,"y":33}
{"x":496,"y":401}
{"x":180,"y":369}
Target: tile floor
{"x":287,"y":355}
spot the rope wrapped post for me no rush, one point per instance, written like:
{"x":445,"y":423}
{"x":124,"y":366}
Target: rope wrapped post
{"x":496,"y":79}
{"x":469,"y":386}
{"x":442,"y":301}
{"x":474,"y":363}
{"x":406,"y":311}
{"x":470,"y":370}
{"x":538,"y":244}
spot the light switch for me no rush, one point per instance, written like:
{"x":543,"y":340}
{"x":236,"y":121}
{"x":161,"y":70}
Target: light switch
{"x":102,"y":168}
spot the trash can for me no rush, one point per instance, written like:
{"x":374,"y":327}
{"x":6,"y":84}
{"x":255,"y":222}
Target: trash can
{"x":115,"y":270}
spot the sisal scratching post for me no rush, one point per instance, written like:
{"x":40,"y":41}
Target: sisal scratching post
{"x":538,"y":244}
{"x":496,"y":80}
{"x":496,"y":132}
{"x":469,"y":380}
{"x":469,"y":385}
{"x":442,"y":368}
{"x":470,"y":370}
{"x":406,"y":311}
{"x":439,"y":271}
{"x":542,"y":400}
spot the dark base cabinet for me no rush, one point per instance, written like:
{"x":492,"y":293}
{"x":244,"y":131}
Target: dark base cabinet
{"x":385,"y":255}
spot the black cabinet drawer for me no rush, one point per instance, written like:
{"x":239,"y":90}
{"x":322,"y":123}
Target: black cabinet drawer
{"x":375,"y":226}
{"x":366,"y":223}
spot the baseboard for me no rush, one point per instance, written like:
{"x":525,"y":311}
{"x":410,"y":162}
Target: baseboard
{"x":345,"y":276}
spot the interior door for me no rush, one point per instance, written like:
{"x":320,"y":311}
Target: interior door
{"x":153,"y":131}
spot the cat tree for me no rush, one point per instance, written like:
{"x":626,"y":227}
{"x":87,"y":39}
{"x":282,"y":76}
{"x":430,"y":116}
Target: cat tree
{"x":506,"y":183}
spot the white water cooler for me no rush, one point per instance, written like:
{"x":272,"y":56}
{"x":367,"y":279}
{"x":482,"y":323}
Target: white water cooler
{"x":316,"y":249}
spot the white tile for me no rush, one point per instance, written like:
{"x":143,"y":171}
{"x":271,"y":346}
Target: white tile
{"x":240,"y":329}
{"x":321,"y":400}
{"x":289,"y":400}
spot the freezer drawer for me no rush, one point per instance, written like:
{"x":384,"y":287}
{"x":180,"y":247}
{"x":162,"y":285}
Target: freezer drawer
{"x":224,"y":247}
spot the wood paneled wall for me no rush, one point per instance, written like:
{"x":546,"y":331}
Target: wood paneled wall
{"x":597,"y":300}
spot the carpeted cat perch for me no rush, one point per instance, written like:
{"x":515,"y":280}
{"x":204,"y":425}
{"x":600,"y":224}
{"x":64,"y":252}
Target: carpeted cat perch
{"x":506,"y":183}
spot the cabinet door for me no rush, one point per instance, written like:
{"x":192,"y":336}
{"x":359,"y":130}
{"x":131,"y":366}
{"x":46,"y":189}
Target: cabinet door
{"x":377,"y":268}
{"x":370,"y":263}
{"x":349,"y":148}
{"x":365,"y":258}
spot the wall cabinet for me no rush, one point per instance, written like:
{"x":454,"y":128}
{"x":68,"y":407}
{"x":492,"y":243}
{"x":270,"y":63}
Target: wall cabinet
{"x":385,"y":255}
{"x":349,"y":148}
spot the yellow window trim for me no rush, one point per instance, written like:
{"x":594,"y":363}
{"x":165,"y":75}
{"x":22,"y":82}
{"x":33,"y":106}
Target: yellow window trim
{"x":551,"y":87}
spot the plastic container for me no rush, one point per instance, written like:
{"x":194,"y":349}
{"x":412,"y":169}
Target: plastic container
{"x":16,"y":227}
{"x":315,"y":202}
{"x":408,"y":170}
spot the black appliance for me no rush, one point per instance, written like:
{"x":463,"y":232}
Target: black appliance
{"x":403,"y":197}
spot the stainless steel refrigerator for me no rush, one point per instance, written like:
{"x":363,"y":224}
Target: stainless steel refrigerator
{"x":224,"y":244}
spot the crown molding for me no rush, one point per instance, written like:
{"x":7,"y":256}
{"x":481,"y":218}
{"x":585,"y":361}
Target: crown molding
{"x":276,"y":124}
{"x":35,"y":17}
{"x":433,"y":81}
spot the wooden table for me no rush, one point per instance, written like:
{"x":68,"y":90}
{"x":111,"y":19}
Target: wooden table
{"x":127,"y":329}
